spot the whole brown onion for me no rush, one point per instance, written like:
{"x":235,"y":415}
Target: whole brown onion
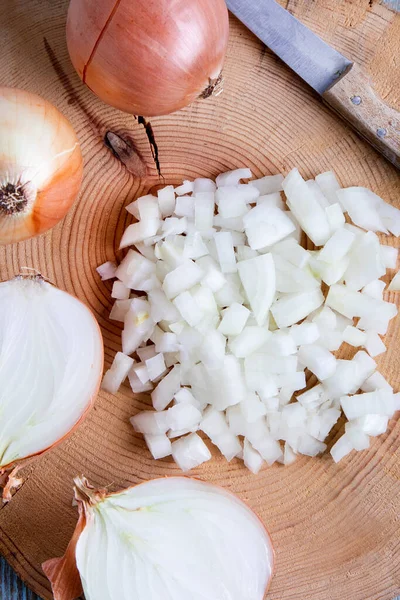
{"x":148,"y":57}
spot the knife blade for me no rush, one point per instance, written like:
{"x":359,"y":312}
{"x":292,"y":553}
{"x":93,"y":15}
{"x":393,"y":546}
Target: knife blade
{"x":340,"y":82}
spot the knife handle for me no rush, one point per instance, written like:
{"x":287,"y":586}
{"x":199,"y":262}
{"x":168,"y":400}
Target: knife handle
{"x":355,"y":100}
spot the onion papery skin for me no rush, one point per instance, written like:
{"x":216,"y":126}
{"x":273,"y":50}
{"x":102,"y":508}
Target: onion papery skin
{"x":146,"y":57}
{"x":45,"y":405}
{"x":41,"y":159}
{"x":183,"y":525}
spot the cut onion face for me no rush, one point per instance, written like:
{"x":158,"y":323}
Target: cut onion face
{"x":50,"y":368}
{"x":167,"y":538}
{"x":238,"y":313}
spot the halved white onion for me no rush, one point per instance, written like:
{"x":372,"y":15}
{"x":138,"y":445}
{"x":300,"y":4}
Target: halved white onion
{"x":51,"y":362}
{"x":172,"y":538}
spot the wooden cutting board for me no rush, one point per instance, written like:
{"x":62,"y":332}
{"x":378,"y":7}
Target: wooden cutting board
{"x":335,"y":527}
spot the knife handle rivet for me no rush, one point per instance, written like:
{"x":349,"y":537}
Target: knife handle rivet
{"x":356,"y":100}
{"x":381,"y":132}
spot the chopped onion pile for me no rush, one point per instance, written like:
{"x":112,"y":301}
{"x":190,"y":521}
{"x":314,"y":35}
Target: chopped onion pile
{"x":237,"y":312}
{"x":50,"y":369}
{"x":174,"y":538}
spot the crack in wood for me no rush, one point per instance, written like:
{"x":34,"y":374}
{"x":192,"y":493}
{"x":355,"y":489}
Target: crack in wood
{"x":152,"y":141}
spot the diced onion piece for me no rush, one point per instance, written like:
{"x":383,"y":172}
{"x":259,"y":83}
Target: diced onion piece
{"x":120,"y":291}
{"x":268,"y":184}
{"x":188,"y":308}
{"x":357,"y":437}
{"x":329,"y":185}
{"x":136,"y":385}
{"x":107,"y":270}
{"x":291,"y":251}
{"x":372,"y":425}
{"x":184,"y":207}
{"x":249,"y":341}
{"x":166,"y":200}
{"x":258,"y":279}
{"x":150,"y":422}
{"x":159,"y":445}
{"x":174,"y":226}
{"x":182,"y":278}
{"x":201,"y":184}
{"x":280,"y":343}
{"x":313,"y":397}
{"x":380,"y":402}
{"x":365,"y":262}
{"x":212,"y":351}
{"x":389,"y":256}
{"x":266,"y":225}
{"x":306,"y":208}
{"x":142,"y":372}
{"x":390,"y":216}
{"x":341,"y":448}
{"x":394,"y":285}
{"x":117,"y":373}
{"x":376,"y":382}
{"x":184,"y":395}
{"x":252,"y":407}
{"x":119,"y":310}
{"x":335,"y":216}
{"x":231,"y":204}
{"x":234,"y":319}
{"x":289,"y":456}
{"x":318,"y":193}
{"x":155,"y":366}
{"x":187,"y":187}
{"x":362,"y":208}
{"x":166,"y":389}
{"x":354,"y":304}
{"x":146,"y":352}
{"x":272,"y":200}
{"x":135,"y":271}
{"x":354,"y":337}
{"x":190,"y":452}
{"x":204,"y":211}
{"x":305,"y":333}
{"x":216,"y":428}
{"x":138,"y":325}
{"x":233,"y":177}
{"x":292,"y":308}
{"x":225,"y":251}
{"x":337,"y":246}
{"x":183,"y":416}
{"x":318,"y":360}
{"x":212,"y":276}
{"x":138,"y":232}
{"x":330,"y":273}
{"x":373,"y":344}
{"x":227,"y":384}
{"x":252,"y":459}
{"x":194,"y":246}
{"x":350,"y":375}
{"x":374,"y":289}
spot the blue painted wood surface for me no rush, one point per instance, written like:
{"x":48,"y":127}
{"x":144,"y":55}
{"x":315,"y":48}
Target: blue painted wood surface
{"x":12,"y":588}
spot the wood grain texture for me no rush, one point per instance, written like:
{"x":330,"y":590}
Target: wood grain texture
{"x":335,"y":528}
{"x":355,"y":100}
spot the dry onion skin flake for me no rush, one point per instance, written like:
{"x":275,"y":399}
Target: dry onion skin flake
{"x":41,"y":165}
{"x":236,"y":314}
{"x":51,"y":363}
{"x":173,"y":538}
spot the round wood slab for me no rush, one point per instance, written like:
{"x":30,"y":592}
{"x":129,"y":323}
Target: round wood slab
{"x":335,"y":527}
